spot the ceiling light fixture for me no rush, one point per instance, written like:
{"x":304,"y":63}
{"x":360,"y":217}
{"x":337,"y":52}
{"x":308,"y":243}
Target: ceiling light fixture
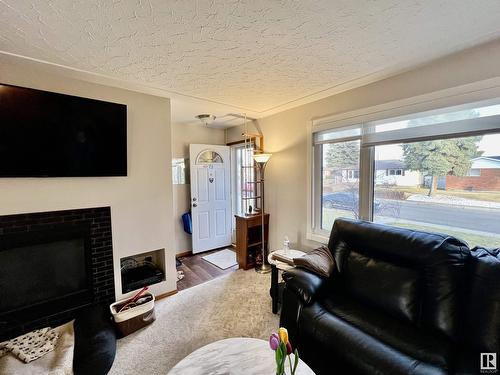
{"x":206,"y":118}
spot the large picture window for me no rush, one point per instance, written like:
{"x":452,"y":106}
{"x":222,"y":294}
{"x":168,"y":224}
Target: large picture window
{"x":340,"y":182}
{"x":436,"y":172}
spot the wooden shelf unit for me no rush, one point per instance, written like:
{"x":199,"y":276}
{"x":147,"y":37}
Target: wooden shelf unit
{"x":249,"y":239}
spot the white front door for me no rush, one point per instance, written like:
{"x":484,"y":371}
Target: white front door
{"x":210,"y":196}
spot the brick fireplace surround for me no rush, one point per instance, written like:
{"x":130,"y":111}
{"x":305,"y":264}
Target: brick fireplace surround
{"x":99,"y":222}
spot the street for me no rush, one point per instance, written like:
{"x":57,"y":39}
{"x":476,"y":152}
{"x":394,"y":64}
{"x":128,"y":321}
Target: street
{"x":481,"y":219}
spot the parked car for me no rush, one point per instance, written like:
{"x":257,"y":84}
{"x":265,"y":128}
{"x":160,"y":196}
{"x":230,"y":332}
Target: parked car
{"x":344,"y":201}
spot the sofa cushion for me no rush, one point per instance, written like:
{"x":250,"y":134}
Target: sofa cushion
{"x":439,"y":259}
{"x":433,"y":348}
{"x":482,"y":322}
{"x":384,"y":285}
{"x":365,"y":353}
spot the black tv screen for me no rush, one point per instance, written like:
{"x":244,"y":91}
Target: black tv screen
{"x":45,"y":134}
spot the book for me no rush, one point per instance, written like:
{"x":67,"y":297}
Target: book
{"x":283,"y":258}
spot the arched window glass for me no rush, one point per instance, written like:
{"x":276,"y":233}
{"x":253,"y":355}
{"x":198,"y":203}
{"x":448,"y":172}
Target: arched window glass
{"x":208,"y":157}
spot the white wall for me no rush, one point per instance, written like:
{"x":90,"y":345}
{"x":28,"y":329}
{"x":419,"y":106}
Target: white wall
{"x":285,"y":133}
{"x":182,"y":136}
{"x":141,"y":203}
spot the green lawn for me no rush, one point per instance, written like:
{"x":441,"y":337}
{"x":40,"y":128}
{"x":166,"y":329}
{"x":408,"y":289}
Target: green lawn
{"x":330,"y":214}
{"x":473,"y":239}
{"x":490,"y":196}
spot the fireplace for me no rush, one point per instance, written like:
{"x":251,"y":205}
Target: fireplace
{"x":53,"y":264}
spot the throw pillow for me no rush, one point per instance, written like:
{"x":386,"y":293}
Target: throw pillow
{"x":33,"y":345}
{"x":319,"y":261}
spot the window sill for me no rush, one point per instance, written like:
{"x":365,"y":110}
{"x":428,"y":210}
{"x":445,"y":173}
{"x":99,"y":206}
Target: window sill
{"x":317,"y":237}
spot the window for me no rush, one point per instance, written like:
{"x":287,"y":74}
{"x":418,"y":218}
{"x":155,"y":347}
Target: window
{"x":474,"y":172}
{"x":353,"y":175}
{"x":394,"y":172}
{"x":339,"y":181}
{"x":208,"y":157}
{"x":241,"y":160}
{"x":243,"y":180}
{"x":441,"y":192}
{"x":180,"y":173}
{"x":436,"y":171}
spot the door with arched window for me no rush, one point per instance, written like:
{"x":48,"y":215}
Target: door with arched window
{"x":210,"y":196}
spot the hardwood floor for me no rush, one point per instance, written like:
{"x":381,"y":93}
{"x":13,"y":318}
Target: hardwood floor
{"x":198,"y":271}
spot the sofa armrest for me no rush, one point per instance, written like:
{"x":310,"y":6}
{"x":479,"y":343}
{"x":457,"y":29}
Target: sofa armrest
{"x":305,"y":284}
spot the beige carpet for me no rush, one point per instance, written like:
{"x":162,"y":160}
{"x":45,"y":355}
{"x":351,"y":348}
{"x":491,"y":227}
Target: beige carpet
{"x":234,"y":305}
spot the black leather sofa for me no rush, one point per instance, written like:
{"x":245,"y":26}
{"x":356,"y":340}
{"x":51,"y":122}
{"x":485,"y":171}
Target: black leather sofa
{"x":398,"y":302}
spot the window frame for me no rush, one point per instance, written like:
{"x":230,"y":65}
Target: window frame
{"x":483,"y":91}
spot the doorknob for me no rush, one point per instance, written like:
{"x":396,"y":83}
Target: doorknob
{"x":194,"y":199}
{"x":195,"y":205}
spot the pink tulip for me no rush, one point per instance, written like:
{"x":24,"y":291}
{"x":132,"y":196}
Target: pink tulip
{"x":274,"y":341}
{"x":288,"y":348}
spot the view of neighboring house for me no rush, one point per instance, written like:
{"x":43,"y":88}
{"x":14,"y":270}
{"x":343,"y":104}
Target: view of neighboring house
{"x":484,"y":175}
{"x":387,"y":172}
{"x":395,"y":172}
{"x":346,"y":173}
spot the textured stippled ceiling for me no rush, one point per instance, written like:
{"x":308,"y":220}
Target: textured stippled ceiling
{"x":254,"y":54}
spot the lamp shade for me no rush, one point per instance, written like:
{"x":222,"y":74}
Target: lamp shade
{"x":261,"y":158}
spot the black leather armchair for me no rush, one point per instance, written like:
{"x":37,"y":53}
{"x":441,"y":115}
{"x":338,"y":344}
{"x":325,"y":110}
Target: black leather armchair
{"x":399,"y":302}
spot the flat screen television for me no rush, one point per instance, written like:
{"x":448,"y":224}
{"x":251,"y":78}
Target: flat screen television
{"x":46,"y":134}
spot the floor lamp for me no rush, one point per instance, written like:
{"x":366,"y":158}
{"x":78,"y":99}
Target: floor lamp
{"x":261,"y":161}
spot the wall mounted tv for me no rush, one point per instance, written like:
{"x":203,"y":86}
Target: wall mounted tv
{"x":45,"y":134}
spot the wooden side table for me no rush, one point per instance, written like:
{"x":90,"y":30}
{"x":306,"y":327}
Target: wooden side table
{"x":276,"y":266}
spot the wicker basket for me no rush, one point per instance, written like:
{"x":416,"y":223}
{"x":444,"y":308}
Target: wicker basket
{"x":135,"y":318}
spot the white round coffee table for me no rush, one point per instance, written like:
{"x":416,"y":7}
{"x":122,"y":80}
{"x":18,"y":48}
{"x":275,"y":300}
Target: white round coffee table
{"x":275,"y":266}
{"x":235,"y":356}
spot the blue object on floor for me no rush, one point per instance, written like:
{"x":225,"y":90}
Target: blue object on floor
{"x":188,"y":225}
